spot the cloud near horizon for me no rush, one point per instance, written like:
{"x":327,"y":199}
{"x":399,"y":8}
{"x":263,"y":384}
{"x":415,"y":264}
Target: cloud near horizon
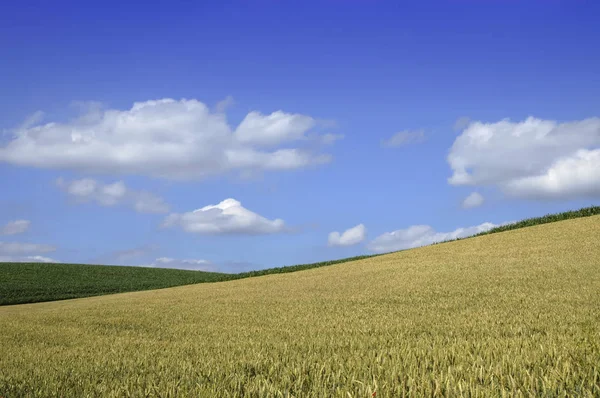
{"x":350,"y":237}
{"x":27,"y":259}
{"x":226,"y":217}
{"x":188,"y":264}
{"x":21,"y":252}
{"x":166,"y":138}
{"x":421,"y":235}
{"x":532,"y":159}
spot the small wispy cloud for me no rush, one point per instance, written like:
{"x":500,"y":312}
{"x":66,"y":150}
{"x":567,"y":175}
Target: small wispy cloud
{"x":461,"y":123}
{"x":27,"y":259}
{"x":20,"y":248}
{"x":117,"y":193}
{"x":127,"y":256}
{"x":404,"y":138}
{"x":222,"y":105}
{"x":189,"y":264}
{"x":475,"y":199}
{"x":15,"y":227}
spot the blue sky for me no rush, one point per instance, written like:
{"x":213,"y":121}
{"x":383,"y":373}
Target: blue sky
{"x":290,"y":109}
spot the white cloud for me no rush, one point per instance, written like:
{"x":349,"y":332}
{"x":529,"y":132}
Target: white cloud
{"x":274,"y":129}
{"x":539,"y":159}
{"x":475,"y":199}
{"x":165,"y":138}
{"x":89,"y":190}
{"x":27,"y":259}
{"x":41,"y":259}
{"x":227,"y":217}
{"x":24,"y":248}
{"x":349,"y":237}
{"x":421,"y":235}
{"x":191,"y":264}
{"x":577,"y":176}
{"x":15,"y":227}
{"x":404,"y":138}
{"x":168,"y":260}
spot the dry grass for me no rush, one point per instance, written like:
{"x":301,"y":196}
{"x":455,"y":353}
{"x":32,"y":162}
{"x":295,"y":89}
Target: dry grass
{"x":510,"y":314}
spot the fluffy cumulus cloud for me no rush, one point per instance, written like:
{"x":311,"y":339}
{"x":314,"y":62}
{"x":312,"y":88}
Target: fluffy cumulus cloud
{"x":421,"y":235}
{"x":117,"y":193}
{"x":534,"y":158}
{"x":349,"y":237}
{"x":227,"y":217}
{"x":475,"y":199}
{"x":15,"y":227}
{"x":404,"y":138}
{"x":27,"y":259}
{"x":571,"y":176}
{"x":191,"y":264}
{"x":167,"y":138}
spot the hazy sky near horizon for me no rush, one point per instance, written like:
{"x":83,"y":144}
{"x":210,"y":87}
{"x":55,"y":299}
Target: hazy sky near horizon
{"x":239,"y":135}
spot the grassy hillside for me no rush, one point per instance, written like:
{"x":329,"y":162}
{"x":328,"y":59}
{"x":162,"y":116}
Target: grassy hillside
{"x":28,"y":283}
{"x":22,"y":283}
{"x":35,"y":282}
{"x":511,"y":314}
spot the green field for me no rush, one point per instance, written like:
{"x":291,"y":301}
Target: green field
{"x":508,"y":314}
{"x":34,"y":282}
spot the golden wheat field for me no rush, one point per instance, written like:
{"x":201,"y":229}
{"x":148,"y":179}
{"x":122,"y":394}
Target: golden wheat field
{"x":510,"y":314}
